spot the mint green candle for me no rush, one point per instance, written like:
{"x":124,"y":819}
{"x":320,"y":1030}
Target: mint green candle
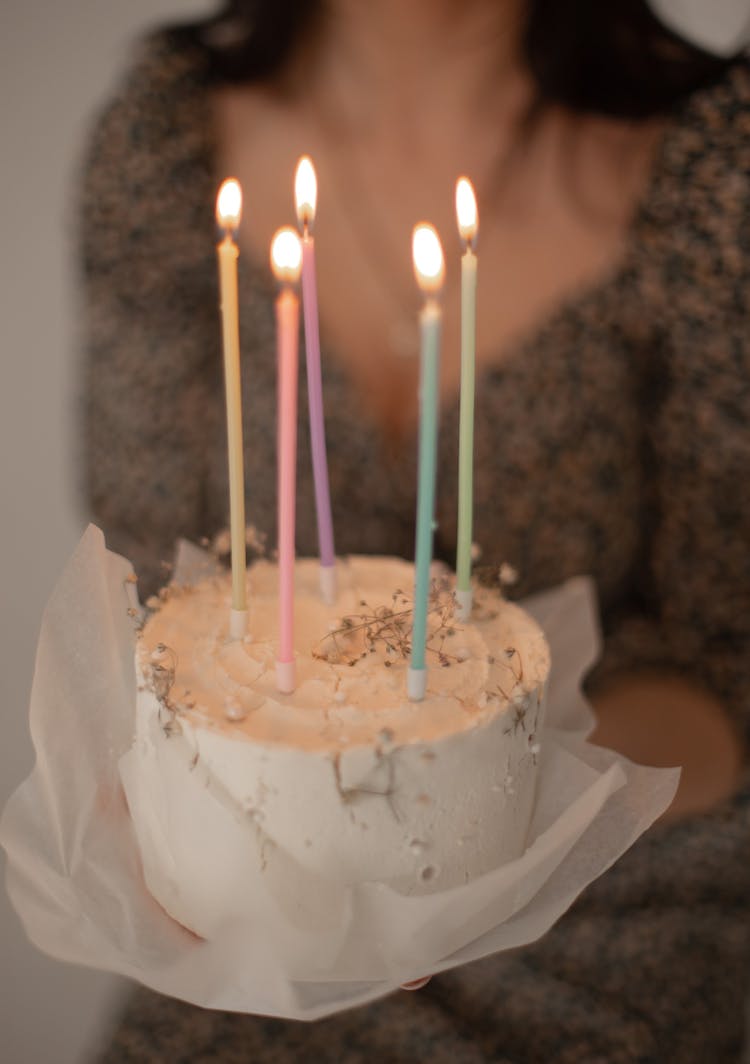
{"x":466,"y":431}
{"x":468,"y":224}
{"x":430,"y":328}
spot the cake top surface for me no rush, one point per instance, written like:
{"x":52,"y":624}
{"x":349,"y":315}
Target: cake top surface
{"x":352,"y":659}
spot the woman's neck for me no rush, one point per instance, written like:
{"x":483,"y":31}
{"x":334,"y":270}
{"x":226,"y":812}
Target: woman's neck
{"x":389,"y":64}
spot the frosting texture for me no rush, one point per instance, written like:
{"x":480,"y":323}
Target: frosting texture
{"x":346,"y":778}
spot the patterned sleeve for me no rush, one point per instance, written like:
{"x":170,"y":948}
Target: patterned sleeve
{"x":697,"y":573}
{"x":148,"y":280}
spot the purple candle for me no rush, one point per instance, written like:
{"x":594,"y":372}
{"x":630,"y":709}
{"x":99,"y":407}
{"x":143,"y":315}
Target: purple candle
{"x":305,"y":185}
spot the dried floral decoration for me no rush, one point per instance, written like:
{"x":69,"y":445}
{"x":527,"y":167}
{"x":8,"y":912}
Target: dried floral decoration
{"x":382,"y":629}
{"x":221,"y":544}
{"x":387,"y":630}
{"x":159,"y":673}
{"x":497,"y":577}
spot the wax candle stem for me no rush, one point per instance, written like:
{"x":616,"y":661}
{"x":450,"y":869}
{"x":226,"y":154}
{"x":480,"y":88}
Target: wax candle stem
{"x":227,"y":255}
{"x":466,"y":431}
{"x":317,"y":421}
{"x":430,"y":326}
{"x":287,"y":314}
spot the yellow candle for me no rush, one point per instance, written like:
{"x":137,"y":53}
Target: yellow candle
{"x":228,"y":211}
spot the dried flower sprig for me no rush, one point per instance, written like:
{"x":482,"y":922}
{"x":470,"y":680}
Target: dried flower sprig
{"x":388,"y":628}
{"x":511,"y":660}
{"x":498,"y":577}
{"x":255,"y":541}
{"x":159,"y":673}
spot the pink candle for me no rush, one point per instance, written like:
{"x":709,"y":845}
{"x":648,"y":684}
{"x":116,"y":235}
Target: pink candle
{"x":306,"y":189}
{"x":286,"y":259}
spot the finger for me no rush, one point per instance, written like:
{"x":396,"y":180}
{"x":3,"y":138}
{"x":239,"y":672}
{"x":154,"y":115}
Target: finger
{"x":416,"y":984}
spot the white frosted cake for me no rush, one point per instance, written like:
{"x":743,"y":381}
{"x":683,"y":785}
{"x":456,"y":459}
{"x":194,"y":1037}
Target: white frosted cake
{"x":345,"y":780}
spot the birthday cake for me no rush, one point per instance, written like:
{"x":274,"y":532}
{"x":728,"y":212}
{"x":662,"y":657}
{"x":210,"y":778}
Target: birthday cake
{"x":346,"y":780}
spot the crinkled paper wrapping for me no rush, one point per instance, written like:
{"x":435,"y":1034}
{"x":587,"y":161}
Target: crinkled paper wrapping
{"x":74,"y":872}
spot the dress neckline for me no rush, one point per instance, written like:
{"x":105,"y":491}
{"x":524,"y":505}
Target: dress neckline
{"x":259,"y":277}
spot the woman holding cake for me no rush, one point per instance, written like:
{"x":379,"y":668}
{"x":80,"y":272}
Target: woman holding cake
{"x":610,"y":158}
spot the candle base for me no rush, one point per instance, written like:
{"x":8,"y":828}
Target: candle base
{"x":286,"y":678}
{"x":328,"y":584}
{"x":416,"y":684}
{"x":237,"y":624}
{"x":464,"y":604}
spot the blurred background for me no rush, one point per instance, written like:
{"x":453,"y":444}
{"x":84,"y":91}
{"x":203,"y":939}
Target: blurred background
{"x":58,"y":61}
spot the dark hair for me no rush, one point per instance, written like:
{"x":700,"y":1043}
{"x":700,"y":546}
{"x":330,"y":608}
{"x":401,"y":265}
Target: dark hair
{"x":610,"y":57}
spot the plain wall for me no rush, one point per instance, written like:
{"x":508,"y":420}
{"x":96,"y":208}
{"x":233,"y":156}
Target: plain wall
{"x":58,"y":61}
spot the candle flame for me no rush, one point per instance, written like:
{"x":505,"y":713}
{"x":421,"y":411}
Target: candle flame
{"x":286,"y":255}
{"x":466,"y":210}
{"x":427,"y":253}
{"x":305,"y":192}
{"x":229,"y":204}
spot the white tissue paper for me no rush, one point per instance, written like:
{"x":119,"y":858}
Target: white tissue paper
{"x":74,"y":871}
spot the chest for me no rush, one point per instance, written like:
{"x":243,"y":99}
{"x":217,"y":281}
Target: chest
{"x":558,"y":471}
{"x":559,"y":476}
{"x":554,"y":221}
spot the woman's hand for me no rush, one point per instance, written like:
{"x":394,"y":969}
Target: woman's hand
{"x":663,"y":720}
{"x":416,"y":984}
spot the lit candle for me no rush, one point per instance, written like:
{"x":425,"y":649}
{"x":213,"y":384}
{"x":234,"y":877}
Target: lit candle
{"x":466,"y":214}
{"x":429,"y":268}
{"x":305,"y":194}
{"x":228,"y":211}
{"x":286,"y":262}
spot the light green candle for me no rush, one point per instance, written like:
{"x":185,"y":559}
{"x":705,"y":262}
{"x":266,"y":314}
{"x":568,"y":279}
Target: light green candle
{"x":466,"y":212}
{"x":428,"y":264}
